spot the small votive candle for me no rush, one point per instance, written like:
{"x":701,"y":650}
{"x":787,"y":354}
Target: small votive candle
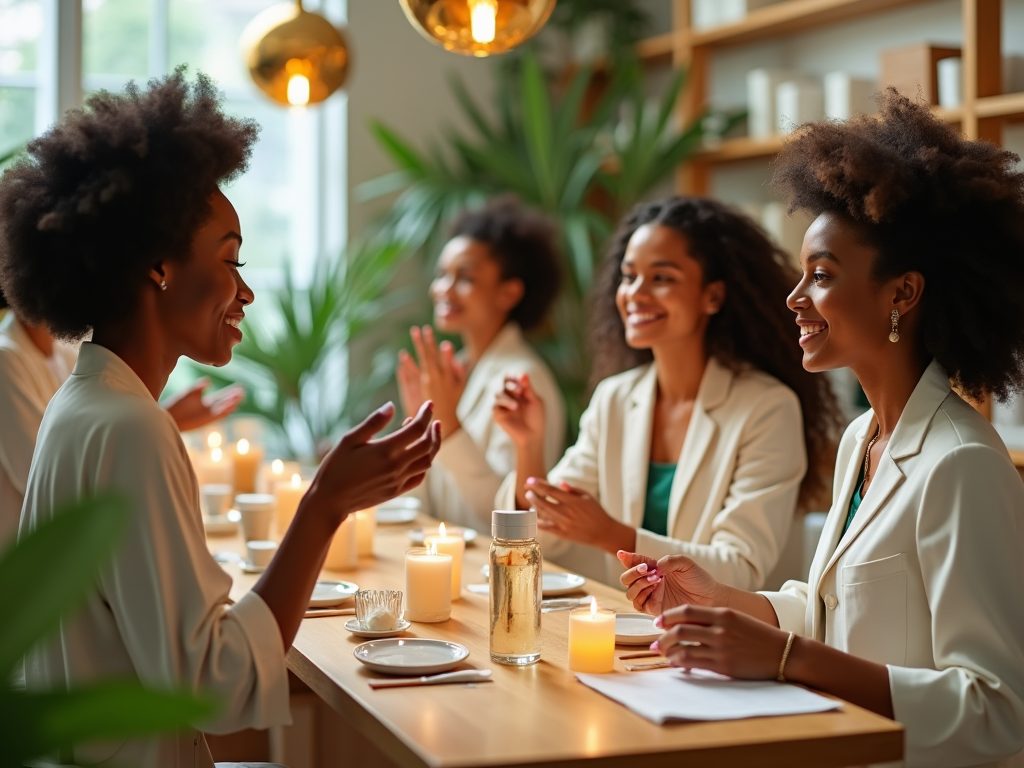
{"x":454,"y":546}
{"x":591,"y":639}
{"x":288,"y":495}
{"x":247,"y":460}
{"x":213,"y":469}
{"x":428,"y":585}
{"x":366,"y":527}
{"x":343,"y":554}
{"x":277,"y":471}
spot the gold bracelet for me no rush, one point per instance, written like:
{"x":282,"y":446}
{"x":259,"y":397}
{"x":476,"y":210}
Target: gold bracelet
{"x":785,"y":655}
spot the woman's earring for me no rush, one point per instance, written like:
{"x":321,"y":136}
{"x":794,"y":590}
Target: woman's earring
{"x":894,"y":335}
{"x":163,"y":286}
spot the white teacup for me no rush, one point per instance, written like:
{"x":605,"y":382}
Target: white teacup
{"x":260,"y":552}
{"x":215,"y":499}
{"x":257,"y":510}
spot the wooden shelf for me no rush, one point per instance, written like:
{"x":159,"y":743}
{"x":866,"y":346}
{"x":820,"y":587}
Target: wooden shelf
{"x":789,"y":17}
{"x":1009,"y":105}
{"x":657,"y":49}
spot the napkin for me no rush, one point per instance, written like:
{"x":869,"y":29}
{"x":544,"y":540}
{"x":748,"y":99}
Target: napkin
{"x":672,"y":694}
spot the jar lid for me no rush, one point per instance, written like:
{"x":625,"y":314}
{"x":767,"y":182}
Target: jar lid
{"x":254,"y":501}
{"x":514,"y":524}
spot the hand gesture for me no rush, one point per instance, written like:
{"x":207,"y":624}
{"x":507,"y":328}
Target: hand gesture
{"x":655,"y":587}
{"x":519,"y":412}
{"x":440,"y":374}
{"x":571,"y":513}
{"x":190,"y":410}
{"x":361,"y":472}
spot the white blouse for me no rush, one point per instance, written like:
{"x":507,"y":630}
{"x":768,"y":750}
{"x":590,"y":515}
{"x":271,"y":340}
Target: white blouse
{"x":160,"y":611}
{"x":28,"y":379}
{"x":472,"y":462}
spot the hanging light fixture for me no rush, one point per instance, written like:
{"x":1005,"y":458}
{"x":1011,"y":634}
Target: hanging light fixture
{"x":478,"y":27}
{"x":294,"y":56}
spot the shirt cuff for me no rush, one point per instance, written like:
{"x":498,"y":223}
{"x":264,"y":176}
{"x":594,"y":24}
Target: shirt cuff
{"x":790,"y":609}
{"x":270,"y":704}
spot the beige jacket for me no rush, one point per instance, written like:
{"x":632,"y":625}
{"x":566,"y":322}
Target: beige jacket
{"x":928,"y":579}
{"x":735,"y":488}
{"x":472,"y":462}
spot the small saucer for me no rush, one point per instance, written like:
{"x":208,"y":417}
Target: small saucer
{"x":248,"y":567}
{"x":352,"y":625}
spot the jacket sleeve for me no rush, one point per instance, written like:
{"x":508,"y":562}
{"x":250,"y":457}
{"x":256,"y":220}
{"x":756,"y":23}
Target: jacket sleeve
{"x":21,"y":412}
{"x":751,"y":529}
{"x":970,"y":536}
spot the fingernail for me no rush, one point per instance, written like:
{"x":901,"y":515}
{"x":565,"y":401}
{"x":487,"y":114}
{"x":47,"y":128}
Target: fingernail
{"x":654,"y":578}
{"x":531,"y":495}
{"x":386,"y":407}
{"x":531,"y":480}
{"x":659,"y":624}
{"x":655,"y":646}
{"x":642,"y":568}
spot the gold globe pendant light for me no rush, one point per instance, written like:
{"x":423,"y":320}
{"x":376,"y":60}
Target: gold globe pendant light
{"x":478,"y":27}
{"x":294,"y":56}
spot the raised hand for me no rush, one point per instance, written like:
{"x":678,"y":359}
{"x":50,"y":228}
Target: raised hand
{"x":442,"y":376}
{"x":574,"y":514}
{"x":674,"y":580}
{"x":520,"y":412}
{"x":410,"y":388}
{"x":190,"y":410}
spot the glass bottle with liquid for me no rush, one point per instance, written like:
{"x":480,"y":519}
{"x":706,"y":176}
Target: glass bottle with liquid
{"x":515,"y":577}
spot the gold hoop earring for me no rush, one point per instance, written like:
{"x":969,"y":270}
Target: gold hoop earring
{"x":894,"y":335}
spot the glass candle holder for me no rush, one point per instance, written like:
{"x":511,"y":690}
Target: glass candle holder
{"x":378,"y":609}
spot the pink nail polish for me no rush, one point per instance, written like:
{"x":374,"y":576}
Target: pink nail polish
{"x":659,"y":624}
{"x":655,"y":646}
{"x":654,"y":578}
{"x":642,"y":568}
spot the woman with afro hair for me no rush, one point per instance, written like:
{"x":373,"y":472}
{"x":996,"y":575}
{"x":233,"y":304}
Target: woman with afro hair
{"x":697,"y":438}
{"x":114,"y":224}
{"x":913,"y":277}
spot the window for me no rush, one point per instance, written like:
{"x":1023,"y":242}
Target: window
{"x":21,"y":27}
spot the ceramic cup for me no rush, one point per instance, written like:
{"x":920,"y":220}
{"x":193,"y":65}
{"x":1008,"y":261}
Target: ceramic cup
{"x":215,"y":499}
{"x":260,"y":552}
{"x":257,"y":510}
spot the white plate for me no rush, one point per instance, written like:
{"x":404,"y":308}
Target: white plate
{"x":635,"y":629}
{"x":410,"y":656}
{"x":468,"y":534}
{"x":328,"y":593}
{"x":404,"y":509}
{"x":352,"y":625}
{"x":552,"y":584}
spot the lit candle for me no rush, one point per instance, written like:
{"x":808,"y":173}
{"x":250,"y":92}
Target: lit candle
{"x":366,"y":527}
{"x":275,"y":472}
{"x":343,"y":554}
{"x":428,"y":590}
{"x":247,"y":460}
{"x":213,"y":469}
{"x":454,"y":546}
{"x":591,"y":639}
{"x":213,"y":440}
{"x":288,"y":497}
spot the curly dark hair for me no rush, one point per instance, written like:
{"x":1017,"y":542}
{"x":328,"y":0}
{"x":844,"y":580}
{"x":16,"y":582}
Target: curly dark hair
{"x":108,"y":192}
{"x":753,"y":327}
{"x":933,"y":202}
{"x":522,"y":241}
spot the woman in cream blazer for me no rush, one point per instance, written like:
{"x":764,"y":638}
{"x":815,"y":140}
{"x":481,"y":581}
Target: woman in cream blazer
{"x":738,"y":459}
{"x":912,"y":606}
{"x":497,"y":275}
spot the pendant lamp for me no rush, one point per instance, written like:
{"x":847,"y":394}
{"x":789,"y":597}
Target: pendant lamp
{"x":294,"y":56}
{"x":478,"y":27}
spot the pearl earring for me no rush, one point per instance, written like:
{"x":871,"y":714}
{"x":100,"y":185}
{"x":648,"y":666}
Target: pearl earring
{"x":163,"y":285}
{"x":894,"y":335}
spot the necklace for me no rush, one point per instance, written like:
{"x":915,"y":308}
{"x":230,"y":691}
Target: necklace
{"x":867,"y":453}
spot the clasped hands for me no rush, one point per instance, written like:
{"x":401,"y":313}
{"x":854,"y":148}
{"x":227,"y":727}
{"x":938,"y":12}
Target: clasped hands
{"x":700,"y":630}
{"x":435,"y":374}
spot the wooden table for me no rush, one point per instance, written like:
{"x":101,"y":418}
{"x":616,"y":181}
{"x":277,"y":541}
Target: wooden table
{"x":541,"y":715}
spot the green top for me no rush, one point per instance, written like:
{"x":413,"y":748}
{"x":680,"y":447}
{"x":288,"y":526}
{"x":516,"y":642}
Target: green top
{"x":659,"y":487}
{"x":854,"y":502}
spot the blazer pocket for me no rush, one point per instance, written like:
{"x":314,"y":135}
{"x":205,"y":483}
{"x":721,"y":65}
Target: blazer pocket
{"x":874,"y":610}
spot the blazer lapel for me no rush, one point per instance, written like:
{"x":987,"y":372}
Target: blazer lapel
{"x":636,"y":444}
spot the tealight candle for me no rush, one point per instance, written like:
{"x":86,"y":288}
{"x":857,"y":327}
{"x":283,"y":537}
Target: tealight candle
{"x":428,"y":585}
{"x":247,"y":460}
{"x":591,"y":639}
{"x":454,"y":546}
{"x":343,"y":554}
{"x":277,"y":471}
{"x":366,"y":527}
{"x":288,"y":494}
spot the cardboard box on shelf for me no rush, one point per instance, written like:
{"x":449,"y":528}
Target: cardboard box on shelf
{"x":913,"y":70}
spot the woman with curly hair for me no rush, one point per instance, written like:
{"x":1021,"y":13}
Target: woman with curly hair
{"x":697,"y":437}
{"x":497,"y":277}
{"x":114,"y":223}
{"x":913,"y":276}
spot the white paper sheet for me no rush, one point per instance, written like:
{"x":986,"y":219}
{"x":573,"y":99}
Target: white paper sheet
{"x":664,"y":695}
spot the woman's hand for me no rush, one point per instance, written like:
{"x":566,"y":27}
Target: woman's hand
{"x":655,"y":587}
{"x":190,"y":410}
{"x":519,"y":412}
{"x":720,"y":640}
{"x":436,"y":375}
{"x":361,"y":472}
{"x":574,"y":514}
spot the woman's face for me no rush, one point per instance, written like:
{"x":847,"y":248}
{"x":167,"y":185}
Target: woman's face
{"x":661,"y":297}
{"x":842,"y":311}
{"x":205,"y":297}
{"x":468,"y":292}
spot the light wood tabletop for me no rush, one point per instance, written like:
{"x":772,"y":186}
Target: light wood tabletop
{"x":540,"y":715}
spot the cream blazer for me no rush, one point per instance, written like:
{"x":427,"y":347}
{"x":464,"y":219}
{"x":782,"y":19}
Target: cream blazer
{"x":472,"y":462}
{"x":735,"y":487}
{"x":928,"y":579}
{"x":160,"y":611}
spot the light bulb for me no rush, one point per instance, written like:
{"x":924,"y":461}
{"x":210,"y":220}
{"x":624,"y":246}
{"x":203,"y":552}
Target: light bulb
{"x":483,"y":17}
{"x":298,"y":90}
{"x":478,"y":27}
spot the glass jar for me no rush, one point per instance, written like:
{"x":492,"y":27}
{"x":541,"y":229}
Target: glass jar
{"x":515,"y":579}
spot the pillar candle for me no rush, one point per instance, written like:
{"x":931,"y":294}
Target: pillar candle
{"x":343,"y":554}
{"x":288,"y":494}
{"x":277,"y":471}
{"x":247,"y":460}
{"x":454,"y":546}
{"x":213,"y":469}
{"x":366,"y":527}
{"x":428,"y":585}
{"x":591,"y":639}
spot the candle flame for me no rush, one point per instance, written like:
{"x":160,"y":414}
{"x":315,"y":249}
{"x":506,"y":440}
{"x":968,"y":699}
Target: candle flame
{"x":216,"y":455}
{"x":243,"y":446}
{"x":277,"y":467}
{"x":593,"y":607}
{"x":431,"y":548}
{"x":483,"y":20}
{"x":296,"y":481}
{"x":213,"y":440}
{"x":440,"y":530}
